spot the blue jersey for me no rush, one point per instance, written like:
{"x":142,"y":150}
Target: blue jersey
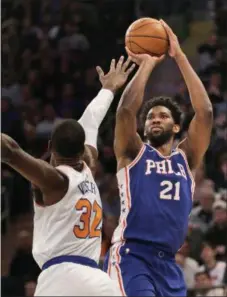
{"x":156,"y":199}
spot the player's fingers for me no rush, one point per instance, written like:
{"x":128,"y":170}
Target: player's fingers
{"x":131,"y":54}
{"x":120,"y":62}
{"x":99,"y":71}
{"x":112,"y":64}
{"x":131,"y":68}
{"x":161,"y":58}
{"x":126,"y":64}
{"x":171,"y":52}
{"x":167,"y":27}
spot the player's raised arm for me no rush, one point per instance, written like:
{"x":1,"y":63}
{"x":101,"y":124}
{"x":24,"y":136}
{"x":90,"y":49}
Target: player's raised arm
{"x":97,"y":109}
{"x":198,"y":138}
{"x":127,"y":142}
{"x":37,"y":171}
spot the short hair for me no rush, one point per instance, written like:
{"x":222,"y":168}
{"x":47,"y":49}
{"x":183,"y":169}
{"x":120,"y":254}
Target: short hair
{"x":68,"y":138}
{"x":203,"y":271}
{"x":168,"y":102}
{"x":208,"y":244}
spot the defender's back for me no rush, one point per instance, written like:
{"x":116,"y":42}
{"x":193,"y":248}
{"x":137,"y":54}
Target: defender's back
{"x":67,"y":241}
{"x":73,"y":225}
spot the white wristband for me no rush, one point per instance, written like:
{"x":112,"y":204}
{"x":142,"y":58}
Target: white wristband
{"x":94,"y":115}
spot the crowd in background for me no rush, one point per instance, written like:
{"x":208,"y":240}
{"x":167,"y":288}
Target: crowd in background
{"x":49,"y":53}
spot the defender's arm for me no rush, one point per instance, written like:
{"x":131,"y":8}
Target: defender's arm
{"x":49,"y":180}
{"x":97,"y":109}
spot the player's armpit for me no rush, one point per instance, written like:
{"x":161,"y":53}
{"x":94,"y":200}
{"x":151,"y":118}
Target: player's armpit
{"x":198,"y":138}
{"x":127,"y":142}
{"x":50,"y":181}
{"x":91,"y":157}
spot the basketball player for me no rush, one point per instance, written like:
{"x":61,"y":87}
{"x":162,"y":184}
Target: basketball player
{"x":155,"y":181}
{"x":68,"y":221}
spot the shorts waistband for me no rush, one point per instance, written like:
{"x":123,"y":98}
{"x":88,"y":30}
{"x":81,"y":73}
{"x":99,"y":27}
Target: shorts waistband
{"x":70,"y":259}
{"x":137,"y":247}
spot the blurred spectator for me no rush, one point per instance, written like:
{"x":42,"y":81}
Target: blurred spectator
{"x":30,"y":287}
{"x":23,"y":264}
{"x":201,"y":216}
{"x":45,"y":126}
{"x":73,"y":38}
{"x":207,"y":52}
{"x":201,"y":182}
{"x":203,"y":284}
{"x":219,"y":174}
{"x":11,"y":120}
{"x":216,"y":269}
{"x":217,"y":234}
{"x":189,"y":265}
{"x":214,"y":88}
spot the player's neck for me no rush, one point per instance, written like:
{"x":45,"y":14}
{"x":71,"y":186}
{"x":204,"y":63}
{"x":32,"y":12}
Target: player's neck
{"x":165,"y":149}
{"x":75,"y":163}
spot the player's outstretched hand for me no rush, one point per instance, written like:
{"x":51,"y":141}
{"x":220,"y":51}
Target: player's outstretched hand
{"x":117,"y":75}
{"x":146,"y":58}
{"x":174,"y":45}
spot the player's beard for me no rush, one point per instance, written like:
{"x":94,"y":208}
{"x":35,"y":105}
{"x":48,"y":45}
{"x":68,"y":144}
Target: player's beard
{"x":157,"y":140}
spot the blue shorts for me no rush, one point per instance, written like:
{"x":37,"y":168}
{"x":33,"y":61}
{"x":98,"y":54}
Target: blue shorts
{"x":142,"y":270}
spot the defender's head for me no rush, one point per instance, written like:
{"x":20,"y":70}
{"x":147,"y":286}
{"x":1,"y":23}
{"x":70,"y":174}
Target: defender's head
{"x":161,"y":118}
{"x":67,"y":140}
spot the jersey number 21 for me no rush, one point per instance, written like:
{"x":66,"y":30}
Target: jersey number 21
{"x":170,"y":190}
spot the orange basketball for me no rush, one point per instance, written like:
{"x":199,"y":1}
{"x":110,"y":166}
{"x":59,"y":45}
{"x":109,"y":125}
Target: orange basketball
{"x":147,"y":35}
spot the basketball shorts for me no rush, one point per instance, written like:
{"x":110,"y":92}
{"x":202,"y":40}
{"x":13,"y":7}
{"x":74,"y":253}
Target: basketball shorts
{"x":73,"y":279}
{"x":142,"y":270}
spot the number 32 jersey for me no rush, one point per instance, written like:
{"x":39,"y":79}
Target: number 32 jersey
{"x":156,"y":199}
{"x":73,"y":225}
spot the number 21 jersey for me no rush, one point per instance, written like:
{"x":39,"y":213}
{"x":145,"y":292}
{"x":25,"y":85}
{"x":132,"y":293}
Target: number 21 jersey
{"x":156,"y":199}
{"x":73,"y":225}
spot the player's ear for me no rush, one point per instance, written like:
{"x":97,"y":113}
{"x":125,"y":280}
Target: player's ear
{"x":176,"y":129}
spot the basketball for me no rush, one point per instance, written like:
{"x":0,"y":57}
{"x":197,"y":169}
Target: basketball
{"x":147,"y":35}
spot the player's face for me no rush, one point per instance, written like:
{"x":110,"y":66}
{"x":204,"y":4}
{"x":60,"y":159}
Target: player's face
{"x":159,"y":126}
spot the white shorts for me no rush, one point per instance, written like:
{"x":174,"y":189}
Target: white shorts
{"x":70,"y":279}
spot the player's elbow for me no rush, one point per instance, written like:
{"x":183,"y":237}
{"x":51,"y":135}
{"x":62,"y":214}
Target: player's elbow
{"x":206,"y":114}
{"x":8,"y":148}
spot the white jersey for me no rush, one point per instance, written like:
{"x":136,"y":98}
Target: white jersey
{"x":73,"y":225}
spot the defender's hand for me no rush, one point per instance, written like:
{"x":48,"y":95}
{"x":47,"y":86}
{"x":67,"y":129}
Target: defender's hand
{"x":174,"y":45}
{"x":6,"y":143}
{"x":145,"y":58}
{"x":117,"y":75}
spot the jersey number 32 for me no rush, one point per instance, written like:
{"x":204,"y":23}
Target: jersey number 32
{"x":88,"y":228}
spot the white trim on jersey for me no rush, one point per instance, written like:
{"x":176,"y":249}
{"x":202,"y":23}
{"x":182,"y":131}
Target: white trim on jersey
{"x":118,"y":241}
{"x":123,"y":179}
{"x":125,"y":198}
{"x":114,"y":269}
{"x":189,"y":171}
